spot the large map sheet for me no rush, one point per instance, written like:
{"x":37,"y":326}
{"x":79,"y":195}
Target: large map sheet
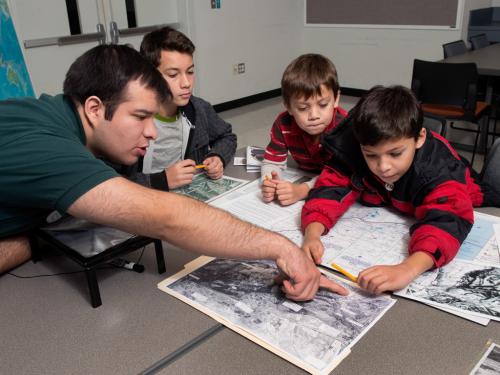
{"x":314,"y":335}
{"x":364,"y":236}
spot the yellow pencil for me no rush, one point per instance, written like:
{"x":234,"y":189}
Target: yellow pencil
{"x":199,"y":166}
{"x":344,"y":272}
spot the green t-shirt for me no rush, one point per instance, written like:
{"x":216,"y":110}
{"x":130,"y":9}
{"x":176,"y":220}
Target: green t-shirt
{"x":44,"y":164}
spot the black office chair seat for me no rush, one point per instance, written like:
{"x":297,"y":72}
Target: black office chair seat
{"x":72,"y":244}
{"x":454,"y":112}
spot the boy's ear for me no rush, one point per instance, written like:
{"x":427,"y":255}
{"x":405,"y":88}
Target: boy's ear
{"x":421,"y":137}
{"x":337,"y":99}
{"x":94,"y":110}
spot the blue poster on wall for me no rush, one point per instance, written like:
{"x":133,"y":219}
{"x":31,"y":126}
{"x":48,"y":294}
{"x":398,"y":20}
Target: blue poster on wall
{"x":14,"y":77}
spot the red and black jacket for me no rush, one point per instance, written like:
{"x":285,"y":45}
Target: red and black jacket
{"x":439,"y":189}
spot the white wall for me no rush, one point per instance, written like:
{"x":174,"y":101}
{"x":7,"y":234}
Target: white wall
{"x":267,"y":35}
{"x":366,"y":57}
{"x":264,"y":34}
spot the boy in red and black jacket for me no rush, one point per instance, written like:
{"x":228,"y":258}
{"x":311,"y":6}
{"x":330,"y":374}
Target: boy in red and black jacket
{"x":383,"y":156}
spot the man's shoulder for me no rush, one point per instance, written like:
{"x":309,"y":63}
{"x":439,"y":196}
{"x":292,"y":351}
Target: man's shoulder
{"x":48,"y":115}
{"x":29,"y":104}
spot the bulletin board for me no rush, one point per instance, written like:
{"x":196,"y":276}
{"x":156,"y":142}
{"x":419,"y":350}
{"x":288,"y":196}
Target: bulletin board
{"x":424,"y":14}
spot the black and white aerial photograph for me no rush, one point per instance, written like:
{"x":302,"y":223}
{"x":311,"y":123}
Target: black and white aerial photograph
{"x":460,"y":285}
{"x":489,"y":363}
{"x":313,"y":333}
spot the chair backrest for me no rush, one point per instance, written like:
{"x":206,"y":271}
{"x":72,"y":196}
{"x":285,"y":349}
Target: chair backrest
{"x":479,"y":41}
{"x":445,"y":83}
{"x":454,"y":48}
{"x":433,"y":124}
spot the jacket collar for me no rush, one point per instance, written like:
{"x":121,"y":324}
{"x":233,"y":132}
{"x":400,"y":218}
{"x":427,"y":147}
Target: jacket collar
{"x":342,"y":143}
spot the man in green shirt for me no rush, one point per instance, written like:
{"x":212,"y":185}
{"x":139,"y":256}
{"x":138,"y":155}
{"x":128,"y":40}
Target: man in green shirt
{"x":49,"y":150}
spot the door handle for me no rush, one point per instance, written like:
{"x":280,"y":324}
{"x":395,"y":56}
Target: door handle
{"x":143,"y":29}
{"x":99,"y":36}
{"x":114,"y":32}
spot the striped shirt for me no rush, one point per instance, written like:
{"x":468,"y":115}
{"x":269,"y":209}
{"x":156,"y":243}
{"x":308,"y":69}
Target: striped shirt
{"x":286,"y":136}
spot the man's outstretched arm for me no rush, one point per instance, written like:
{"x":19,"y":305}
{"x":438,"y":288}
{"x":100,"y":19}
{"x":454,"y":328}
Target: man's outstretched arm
{"x":197,"y":227}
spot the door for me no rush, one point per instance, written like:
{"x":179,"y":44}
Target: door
{"x":53,"y":33}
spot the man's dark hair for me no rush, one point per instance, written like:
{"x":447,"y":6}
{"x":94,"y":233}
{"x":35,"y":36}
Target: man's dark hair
{"x":305,"y":75}
{"x":106,"y":70}
{"x":385,"y":113}
{"x":164,"y":39}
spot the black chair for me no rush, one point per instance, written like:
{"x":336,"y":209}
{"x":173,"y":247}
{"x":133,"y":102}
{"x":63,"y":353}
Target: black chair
{"x":479,"y":41}
{"x":448,"y":93}
{"x":434,"y":125}
{"x":91,"y":261}
{"x":454,"y":48}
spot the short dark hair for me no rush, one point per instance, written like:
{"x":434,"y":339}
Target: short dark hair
{"x":305,"y":75}
{"x":385,"y":113}
{"x":106,"y":70}
{"x":164,"y":39}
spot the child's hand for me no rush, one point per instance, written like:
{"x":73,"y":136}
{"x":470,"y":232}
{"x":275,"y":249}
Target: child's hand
{"x":312,"y":245}
{"x":268,"y":187}
{"x":289,"y":193}
{"x":214,"y":167}
{"x":379,"y":279}
{"x":314,"y":249}
{"x":180,"y":173}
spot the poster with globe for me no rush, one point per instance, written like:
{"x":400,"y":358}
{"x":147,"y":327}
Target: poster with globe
{"x":14,"y":77}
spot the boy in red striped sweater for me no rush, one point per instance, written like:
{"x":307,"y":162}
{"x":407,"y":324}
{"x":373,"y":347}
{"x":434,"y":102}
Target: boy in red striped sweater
{"x":311,"y":94}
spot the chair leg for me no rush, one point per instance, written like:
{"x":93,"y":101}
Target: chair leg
{"x":475,"y":148}
{"x":494,"y":132}
{"x":443,"y":128}
{"x":160,"y":260}
{"x":95,"y":295}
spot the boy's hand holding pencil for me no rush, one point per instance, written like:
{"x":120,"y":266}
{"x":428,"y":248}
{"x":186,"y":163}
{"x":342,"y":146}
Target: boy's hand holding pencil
{"x":268,"y":187}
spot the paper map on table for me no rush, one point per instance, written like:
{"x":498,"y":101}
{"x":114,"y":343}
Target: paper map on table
{"x":314,"y":335}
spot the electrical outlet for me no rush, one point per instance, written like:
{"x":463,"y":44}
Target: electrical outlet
{"x":239,"y":68}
